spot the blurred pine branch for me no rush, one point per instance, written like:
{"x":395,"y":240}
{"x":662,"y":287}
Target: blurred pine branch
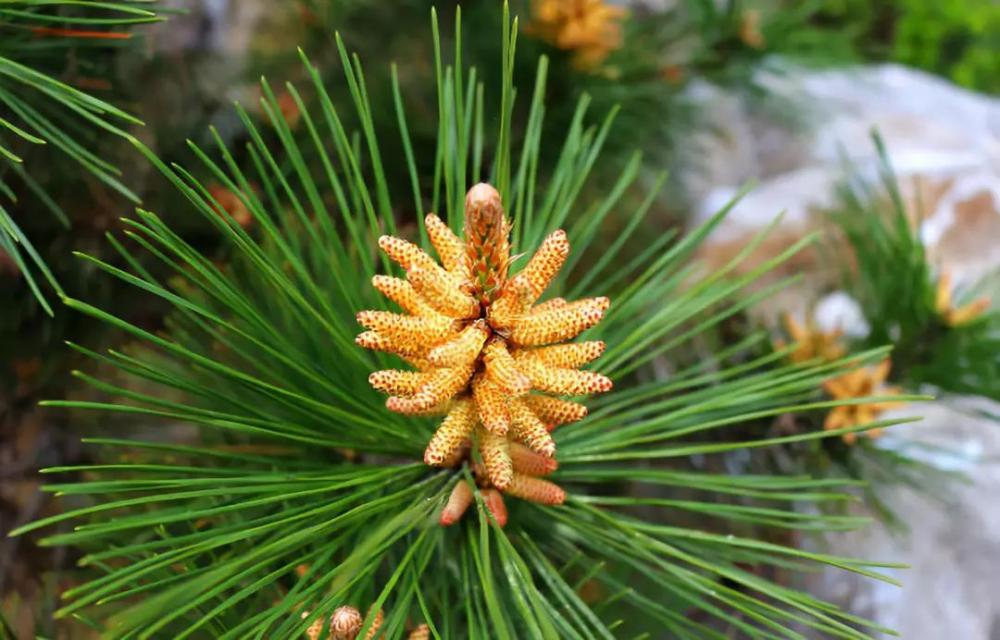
{"x":941,"y":337}
{"x":50,"y":54}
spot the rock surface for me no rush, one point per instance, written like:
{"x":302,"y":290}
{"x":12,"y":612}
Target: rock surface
{"x":942,"y":141}
{"x":952,"y":589}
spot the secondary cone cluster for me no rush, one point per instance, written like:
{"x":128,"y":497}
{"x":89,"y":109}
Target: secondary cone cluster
{"x":860,"y":383}
{"x":590,"y":28}
{"x":485,"y":353}
{"x":957,"y":316}
{"x":346,"y":623}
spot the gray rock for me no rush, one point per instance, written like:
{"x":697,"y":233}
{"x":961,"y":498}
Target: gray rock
{"x":943,"y":142}
{"x":952,"y":589}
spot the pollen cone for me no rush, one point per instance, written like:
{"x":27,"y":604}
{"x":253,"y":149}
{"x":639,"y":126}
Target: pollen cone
{"x":487,"y":353}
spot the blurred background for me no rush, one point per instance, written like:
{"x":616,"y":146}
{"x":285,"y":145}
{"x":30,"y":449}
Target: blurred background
{"x":780,"y":94}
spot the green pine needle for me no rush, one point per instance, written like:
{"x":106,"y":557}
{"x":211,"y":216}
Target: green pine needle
{"x":44,"y":110}
{"x":299,"y":465}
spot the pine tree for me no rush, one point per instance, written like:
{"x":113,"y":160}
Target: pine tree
{"x":304,"y":504}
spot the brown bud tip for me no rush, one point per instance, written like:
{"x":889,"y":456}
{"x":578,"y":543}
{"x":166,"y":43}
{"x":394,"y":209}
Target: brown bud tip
{"x":493,"y":500}
{"x":485,"y":221}
{"x":458,"y":502}
{"x":482,"y":195}
{"x":345,"y":622}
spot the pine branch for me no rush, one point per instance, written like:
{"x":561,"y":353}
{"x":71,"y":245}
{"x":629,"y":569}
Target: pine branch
{"x":304,"y":495}
{"x":38,"y":108}
{"x":941,"y":337}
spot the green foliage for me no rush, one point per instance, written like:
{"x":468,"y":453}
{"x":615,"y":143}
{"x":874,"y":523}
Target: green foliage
{"x":39,"y":41}
{"x":957,"y":39}
{"x":663,"y":51}
{"x":739,"y":36}
{"x":888,"y":272}
{"x":297,"y":462}
{"x":953,"y":38}
{"x":652,"y":111}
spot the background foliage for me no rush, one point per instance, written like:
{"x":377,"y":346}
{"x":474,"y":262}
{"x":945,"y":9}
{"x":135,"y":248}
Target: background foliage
{"x":955,"y":38}
{"x":50,"y":53}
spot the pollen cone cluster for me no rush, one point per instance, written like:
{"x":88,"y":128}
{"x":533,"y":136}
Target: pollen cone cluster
{"x":957,"y":316}
{"x":860,"y":383}
{"x":590,"y":28}
{"x":486,"y":355}
{"x":346,"y":623}
{"x":811,"y":342}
